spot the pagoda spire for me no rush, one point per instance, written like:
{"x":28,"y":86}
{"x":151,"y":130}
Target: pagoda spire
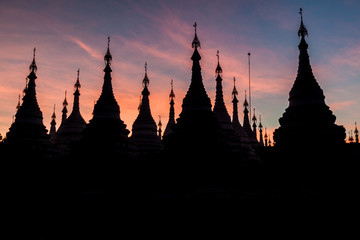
{"x":307,"y":117}
{"x":235,"y":119}
{"x":220,"y":110}
{"x":77,"y":87}
{"x":53,"y":126}
{"x":106,"y":106}
{"x":254,"y":119}
{"x":261,"y":141}
{"x":196,"y":98}
{"x":72,"y":128}
{"x":197,"y":128}
{"x":64,"y":110}
{"x":29,"y":100}
{"x":356,"y":132}
{"x":28,"y":124}
{"x":144,"y":129}
{"x":246,"y":122}
{"x":266,"y":138}
{"x":106,"y":126}
{"x":171,"y":121}
{"x":239,"y":130}
{"x":160,"y":125}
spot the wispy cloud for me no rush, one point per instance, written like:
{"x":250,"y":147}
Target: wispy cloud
{"x":92,"y":52}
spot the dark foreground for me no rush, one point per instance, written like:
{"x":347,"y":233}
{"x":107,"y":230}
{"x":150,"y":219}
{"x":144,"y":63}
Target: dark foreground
{"x":86,"y":185}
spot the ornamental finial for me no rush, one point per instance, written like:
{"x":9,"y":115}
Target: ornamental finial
{"x":146,"y":79}
{"x":108,"y":56}
{"x":218,"y":69}
{"x":302,"y":30}
{"x":33,"y":66}
{"x":77,"y":84}
{"x":172,"y":94}
{"x":195,"y":42}
{"x":234,"y":92}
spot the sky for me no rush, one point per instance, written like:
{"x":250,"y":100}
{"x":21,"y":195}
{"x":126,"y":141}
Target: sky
{"x":72,"y":34}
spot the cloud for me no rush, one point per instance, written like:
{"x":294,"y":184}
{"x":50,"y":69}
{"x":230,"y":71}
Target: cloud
{"x":93,"y":53}
{"x":341,"y":105}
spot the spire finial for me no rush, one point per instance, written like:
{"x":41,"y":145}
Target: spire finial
{"x":53,"y":116}
{"x":146,"y":79}
{"x":65,"y":103}
{"x":195,"y":42}
{"x":302,"y":30}
{"x":254,"y":116}
{"x":33,"y":66}
{"x":172,"y":94}
{"x":108,"y":56}
{"x":77,"y":84}
{"x":246,"y":104}
{"x":218,"y":69}
{"x":234,"y":92}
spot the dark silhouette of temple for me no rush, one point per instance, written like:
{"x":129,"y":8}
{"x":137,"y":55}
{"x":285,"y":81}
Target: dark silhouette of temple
{"x":307,"y":120}
{"x":197,"y":129}
{"x":106,"y":132}
{"x":71,"y":128}
{"x":28,"y":131}
{"x":204,"y":153}
{"x":144,"y":130}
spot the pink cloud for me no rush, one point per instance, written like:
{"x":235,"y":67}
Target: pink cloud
{"x":340,"y":105}
{"x":93,"y":53}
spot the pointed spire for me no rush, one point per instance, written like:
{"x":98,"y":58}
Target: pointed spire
{"x":261,"y":141}
{"x":302,"y":30}
{"x":171,"y":121}
{"x":64,"y":111}
{"x":218,"y":69}
{"x":254,"y":124}
{"x":28,"y":119}
{"x":307,"y":117}
{"x":172,"y":94}
{"x":220,"y":110}
{"x":195,"y":43}
{"x":246,"y":122}
{"x":144,"y":130}
{"x":234,"y":92}
{"x":146,"y":79}
{"x":106,"y":106}
{"x":53,"y":116}
{"x":53,"y":127}
{"x":108,"y":57}
{"x":33,"y":66}
{"x":235,"y":118}
{"x":356,"y":131}
{"x":77,"y":85}
{"x":196,"y":97}
{"x":160,"y":125}
{"x":266,"y":138}
{"x":246,"y":104}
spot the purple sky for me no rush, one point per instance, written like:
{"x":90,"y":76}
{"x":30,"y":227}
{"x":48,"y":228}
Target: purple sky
{"x":73,"y":34}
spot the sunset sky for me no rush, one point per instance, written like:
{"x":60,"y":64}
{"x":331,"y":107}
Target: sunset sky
{"x":73,"y":34}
